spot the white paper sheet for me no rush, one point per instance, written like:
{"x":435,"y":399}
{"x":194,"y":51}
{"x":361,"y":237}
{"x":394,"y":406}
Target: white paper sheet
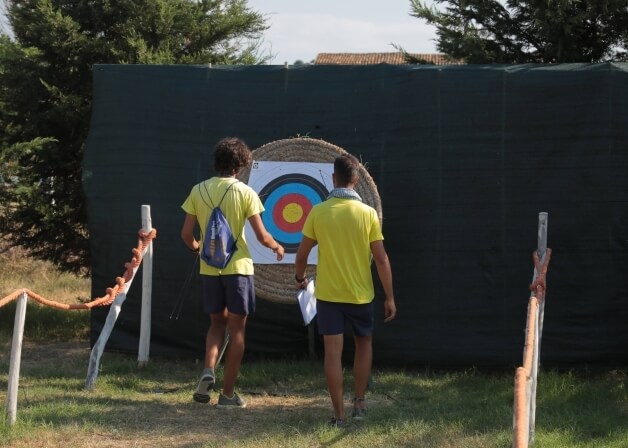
{"x":307,"y":302}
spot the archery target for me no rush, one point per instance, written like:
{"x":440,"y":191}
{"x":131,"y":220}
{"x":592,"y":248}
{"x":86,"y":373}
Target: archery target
{"x":288,"y":191}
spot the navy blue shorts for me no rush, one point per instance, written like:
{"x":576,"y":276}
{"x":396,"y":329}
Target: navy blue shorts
{"x":331,"y":318}
{"x":234,"y":292}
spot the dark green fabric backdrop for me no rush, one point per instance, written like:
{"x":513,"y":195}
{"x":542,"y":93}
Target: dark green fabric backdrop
{"x":464,"y":157}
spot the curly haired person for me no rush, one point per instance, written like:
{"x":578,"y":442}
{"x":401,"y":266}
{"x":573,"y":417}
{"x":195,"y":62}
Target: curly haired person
{"x":228,"y":293}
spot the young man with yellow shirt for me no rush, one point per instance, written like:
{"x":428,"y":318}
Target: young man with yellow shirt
{"x":349,"y":236}
{"x":228,"y":293}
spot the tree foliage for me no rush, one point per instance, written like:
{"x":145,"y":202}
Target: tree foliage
{"x":528,"y":31}
{"x":46,"y":88}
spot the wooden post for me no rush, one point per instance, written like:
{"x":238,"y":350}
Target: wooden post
{"x":520,"y":423}
{"x":541,"y":250}
{"x":147,"y":288}
{"x":99,"y":345}
{"x":16,"y":358}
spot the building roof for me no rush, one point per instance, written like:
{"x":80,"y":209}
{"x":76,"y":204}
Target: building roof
{"x":380,"y":58}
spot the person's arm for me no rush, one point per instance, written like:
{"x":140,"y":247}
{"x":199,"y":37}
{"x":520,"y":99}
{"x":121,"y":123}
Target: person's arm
{"x":385,"y":276}
{"x":187,"y":233}
{"x":300,"y":261}
{"x":265,"y":238}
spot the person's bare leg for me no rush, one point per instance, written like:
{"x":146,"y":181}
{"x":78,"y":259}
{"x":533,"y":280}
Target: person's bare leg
{"x":236,"y":326}
{"x":362,"y":363}
{"x":213,"y":341}
{"x":333,"y":373}
{"x":215,"y":338}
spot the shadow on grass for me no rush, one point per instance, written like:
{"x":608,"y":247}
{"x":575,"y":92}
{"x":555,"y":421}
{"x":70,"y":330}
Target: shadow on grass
{"x":589,"y":408}
{"x":45,"y":323}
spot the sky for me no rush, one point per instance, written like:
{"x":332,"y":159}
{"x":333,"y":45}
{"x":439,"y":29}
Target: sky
{"x":300,"y":29}
{"x":4,"y":26}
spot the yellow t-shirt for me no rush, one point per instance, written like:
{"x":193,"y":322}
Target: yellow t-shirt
{"x":344,"y":230}
{"x":239,"y":204}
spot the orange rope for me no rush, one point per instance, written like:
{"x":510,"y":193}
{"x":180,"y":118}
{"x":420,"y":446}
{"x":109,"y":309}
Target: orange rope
{"x":11,"y":297}
{"x":145,"y":238}
{"x":539,"y":286}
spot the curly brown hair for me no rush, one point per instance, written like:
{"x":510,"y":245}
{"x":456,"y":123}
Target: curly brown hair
{"x":231,"y":154}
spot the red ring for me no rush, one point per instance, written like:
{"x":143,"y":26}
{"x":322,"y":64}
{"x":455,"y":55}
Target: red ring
{"x":291,"y":198}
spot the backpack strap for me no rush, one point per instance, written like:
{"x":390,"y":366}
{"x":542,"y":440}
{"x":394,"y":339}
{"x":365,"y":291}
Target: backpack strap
{"x":209,"y":198}
{"x":227,"y":191}
{"x":235,"y":242}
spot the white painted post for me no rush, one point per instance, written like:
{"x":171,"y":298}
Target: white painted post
{"x":147,"y":288}
{"x":541,"y":250}
{"x":99,"y":346}
{"x":16,"y":358}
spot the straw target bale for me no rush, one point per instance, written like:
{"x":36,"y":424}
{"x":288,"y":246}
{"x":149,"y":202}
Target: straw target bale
{"x":275,"y":282}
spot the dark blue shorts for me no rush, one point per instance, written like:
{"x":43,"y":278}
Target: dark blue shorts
{"x":234,"y":292}
{"x":331,"y":318}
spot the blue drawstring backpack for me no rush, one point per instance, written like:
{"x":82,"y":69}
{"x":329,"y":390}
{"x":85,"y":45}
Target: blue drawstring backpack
{"x":219,"y":245}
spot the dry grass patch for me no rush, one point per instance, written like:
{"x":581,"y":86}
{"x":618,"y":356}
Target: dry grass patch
{"x":17,"y":271}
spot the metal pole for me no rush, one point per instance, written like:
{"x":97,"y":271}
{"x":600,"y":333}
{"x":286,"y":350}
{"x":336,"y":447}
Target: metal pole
{"x":147,"y":288}
{"x":16,"y":358}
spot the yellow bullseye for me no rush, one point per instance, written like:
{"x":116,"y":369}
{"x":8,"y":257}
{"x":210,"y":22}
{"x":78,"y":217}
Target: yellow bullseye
{"x":292,"y":213}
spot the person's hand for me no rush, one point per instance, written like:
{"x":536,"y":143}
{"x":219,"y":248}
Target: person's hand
{"x":300,"y":284}
{"x":390,"y":310}
{"x":279,"y":251}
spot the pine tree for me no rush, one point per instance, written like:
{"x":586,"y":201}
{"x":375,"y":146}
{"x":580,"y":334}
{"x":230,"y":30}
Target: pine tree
{"x":528,"y":31}
{"x":46,"y":88}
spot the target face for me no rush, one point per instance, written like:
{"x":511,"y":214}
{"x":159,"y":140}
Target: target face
{"x":288,"y":191}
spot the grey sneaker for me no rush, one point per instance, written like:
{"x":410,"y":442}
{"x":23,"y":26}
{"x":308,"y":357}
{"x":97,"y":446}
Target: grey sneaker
{"x":205,"y":386}
{"x":337,"y":423}
{"x":359,"y":413}
{"x":234,"y":402}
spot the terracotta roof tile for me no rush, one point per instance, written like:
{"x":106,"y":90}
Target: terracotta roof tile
{"x":379,"y":58}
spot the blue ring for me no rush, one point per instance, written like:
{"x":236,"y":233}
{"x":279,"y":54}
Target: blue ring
{"x":271,"y":202}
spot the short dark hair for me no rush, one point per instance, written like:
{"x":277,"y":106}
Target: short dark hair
{"x":347,"y":169}
{"x":231,"y":154}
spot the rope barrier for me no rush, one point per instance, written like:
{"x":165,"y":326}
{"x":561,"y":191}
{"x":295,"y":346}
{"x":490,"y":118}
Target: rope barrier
{"x":144,"y":240}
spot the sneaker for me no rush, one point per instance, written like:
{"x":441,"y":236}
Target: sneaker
{"x":358,"y":413}
{"x":336,"y":423}
{"x":225,"y":402}
{"x":205,"y":386}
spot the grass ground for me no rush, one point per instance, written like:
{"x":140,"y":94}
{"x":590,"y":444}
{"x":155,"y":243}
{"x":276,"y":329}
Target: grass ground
{"x":288,"y":406}
{"x":288,"y":403}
